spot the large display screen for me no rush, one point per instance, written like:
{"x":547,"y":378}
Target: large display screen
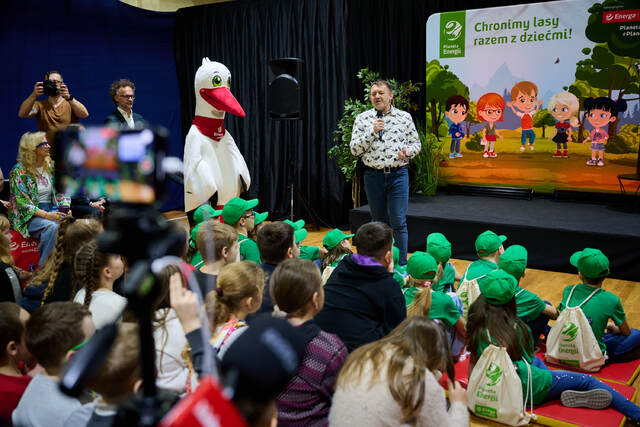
{"x":541,"y":95}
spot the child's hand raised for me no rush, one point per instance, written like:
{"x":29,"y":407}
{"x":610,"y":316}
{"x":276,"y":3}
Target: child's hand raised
{"x":184,"y":303}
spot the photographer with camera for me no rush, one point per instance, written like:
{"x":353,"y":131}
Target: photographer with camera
{"x":58,"y":110}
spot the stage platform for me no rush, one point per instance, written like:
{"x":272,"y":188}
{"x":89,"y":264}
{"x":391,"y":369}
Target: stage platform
{"x":550,"y":229}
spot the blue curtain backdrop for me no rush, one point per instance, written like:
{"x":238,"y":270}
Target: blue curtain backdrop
{"x":92,"y":43}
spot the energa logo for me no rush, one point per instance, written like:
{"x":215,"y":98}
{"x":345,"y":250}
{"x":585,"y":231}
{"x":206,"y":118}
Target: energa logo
{"x":494,"y":373}
{"x":570,"y":330}
{"x":453,"y":29}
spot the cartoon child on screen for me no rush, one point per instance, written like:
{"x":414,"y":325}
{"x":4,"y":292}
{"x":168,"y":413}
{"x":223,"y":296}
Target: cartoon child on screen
{"x":564,"y":108}
{"x":490,"y":110}
{"x":524,"y":97}
{"x":456,"y":110}
{"x":599,"y":112}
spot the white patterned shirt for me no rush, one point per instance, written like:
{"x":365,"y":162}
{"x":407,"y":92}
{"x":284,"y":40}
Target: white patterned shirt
{"x":399,"y":132}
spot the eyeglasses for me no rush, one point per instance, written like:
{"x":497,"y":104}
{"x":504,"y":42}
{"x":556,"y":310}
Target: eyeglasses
{"x":43,"y":144}
{"x":127,"y":96}
{"x":249,"y":215}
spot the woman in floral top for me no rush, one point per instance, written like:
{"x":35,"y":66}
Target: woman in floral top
{"x":33,"y":195}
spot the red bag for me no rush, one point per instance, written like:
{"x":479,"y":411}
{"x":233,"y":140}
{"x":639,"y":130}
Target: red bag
{"x":24,"y":252}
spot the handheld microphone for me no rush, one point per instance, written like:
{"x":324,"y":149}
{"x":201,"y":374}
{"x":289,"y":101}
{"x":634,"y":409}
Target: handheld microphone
{"x":379,"y":115}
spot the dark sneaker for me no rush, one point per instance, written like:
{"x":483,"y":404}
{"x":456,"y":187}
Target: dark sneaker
{"x":598,"y":398}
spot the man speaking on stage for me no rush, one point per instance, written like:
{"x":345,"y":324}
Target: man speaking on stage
{"x":386,"y":139}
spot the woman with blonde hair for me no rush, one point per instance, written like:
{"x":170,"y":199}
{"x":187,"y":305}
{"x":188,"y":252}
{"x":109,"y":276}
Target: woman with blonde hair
{"x":33,"y":193}
{"x":394,"y":381}
{"x":564,"y":107}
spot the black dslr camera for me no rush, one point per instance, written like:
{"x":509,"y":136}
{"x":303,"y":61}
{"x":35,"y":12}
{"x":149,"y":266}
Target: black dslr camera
{"x":50,"y":88}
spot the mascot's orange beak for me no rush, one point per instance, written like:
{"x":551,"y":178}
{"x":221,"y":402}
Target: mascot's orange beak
{"x":222,"y":99}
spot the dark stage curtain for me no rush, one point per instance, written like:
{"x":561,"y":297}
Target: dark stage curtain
{"x":245,"y":36}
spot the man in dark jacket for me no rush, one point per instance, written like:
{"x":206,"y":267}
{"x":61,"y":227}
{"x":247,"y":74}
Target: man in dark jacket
{"x":122,"y":94}
{"x":363,"y":302}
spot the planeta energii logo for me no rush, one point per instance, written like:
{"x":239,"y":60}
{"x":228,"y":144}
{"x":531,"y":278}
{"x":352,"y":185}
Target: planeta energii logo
{"x":452,"y":32}
{"x":570,"y":330}
{"x":494,"y":373}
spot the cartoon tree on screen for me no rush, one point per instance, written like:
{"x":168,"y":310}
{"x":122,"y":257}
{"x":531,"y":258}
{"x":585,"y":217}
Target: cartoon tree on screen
{"x":542,"y":118}
{"x":472,"y":116}
{"x":582,"y":90}
{"x":441,"y":84}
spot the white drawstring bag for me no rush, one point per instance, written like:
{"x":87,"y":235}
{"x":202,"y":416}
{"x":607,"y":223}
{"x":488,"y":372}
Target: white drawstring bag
{"x":468,"y":291}
{"x":571,"y":341}
{"x":495,"y":390}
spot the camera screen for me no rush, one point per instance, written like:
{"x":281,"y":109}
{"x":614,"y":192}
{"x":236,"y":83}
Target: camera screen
{"x":107,"y":162}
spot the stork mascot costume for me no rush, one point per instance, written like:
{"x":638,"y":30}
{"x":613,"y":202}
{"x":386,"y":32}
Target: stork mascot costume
{"x":213,"y":165}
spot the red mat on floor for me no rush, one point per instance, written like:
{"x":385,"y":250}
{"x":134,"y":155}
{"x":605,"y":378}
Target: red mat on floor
{"x":554,"y":414}
{"x":621,"y":373}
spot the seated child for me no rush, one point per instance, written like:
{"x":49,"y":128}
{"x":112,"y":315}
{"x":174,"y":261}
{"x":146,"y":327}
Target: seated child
{"x":202,"y":214}
{"x":489,"y":248}
{"x":422,"y":300}
{"x":98,"y":271}
{"x":13,"y":382}
{"x":239,"y":214}
{"x":258,"y":223}
{"x":489,"y":315}
{"x":296,"y":288}
{"x":117,"y":380}
{"x":311,"y":253}
{"x":218,"y":244}
{"x":620,"y":343}
{"x":532,"y":310}
{"x":54,"y":281}
{"x":277,"y":241}
{"x":53,"y":333}
{"x":238,"y":293}
{"x":337,"y":245}
{"x":440,"y":248}
{"x":172,"y":370}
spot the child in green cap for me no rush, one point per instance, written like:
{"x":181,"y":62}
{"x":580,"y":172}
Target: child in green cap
{"x":423,"y":300}
{"x":310,"y":253}
{"x":494,"y":315}
{"x":239,"y":214}
{"x":202,"y":214}
{"x":604,"y":310}
{"x":337,"y":245}
{"x":440,"y":248}
{"x":489,"y":248}
{"x":532,"y":310}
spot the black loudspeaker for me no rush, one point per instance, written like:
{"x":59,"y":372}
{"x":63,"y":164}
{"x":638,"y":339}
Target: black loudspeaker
{"x":285,"y":94}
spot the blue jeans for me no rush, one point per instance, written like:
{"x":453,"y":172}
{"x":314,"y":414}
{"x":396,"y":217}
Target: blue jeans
{"x":388,"y":195}
{"x":44,"y":230}
{"x":618,"y":345}
{"x":455,"y":146}
{"x":565,"y":380}
{"x":530,"y":134}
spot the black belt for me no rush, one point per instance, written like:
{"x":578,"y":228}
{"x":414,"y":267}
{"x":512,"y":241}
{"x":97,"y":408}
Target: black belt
{"x":385,"y":170}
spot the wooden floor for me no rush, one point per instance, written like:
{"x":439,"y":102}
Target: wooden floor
{"x":547,"y":284}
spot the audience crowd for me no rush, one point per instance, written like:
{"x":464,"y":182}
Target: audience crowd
{"x":299,"y":335}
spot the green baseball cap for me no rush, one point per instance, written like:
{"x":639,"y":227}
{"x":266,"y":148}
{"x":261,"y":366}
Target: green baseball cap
{"x":592,"y":263}
{"x":205,"y":212}
{"x":300,"y":235}
{"x":334,"y":237}
{"x":235,"y":208}
{"x":259,"y":217}
{"x":422,"y":266}
{"x":298,"y":225}
{"x":514,"y":261}
{"x":439,"y":247}
{"x":488,"y":242}
{"x":498,"y":287}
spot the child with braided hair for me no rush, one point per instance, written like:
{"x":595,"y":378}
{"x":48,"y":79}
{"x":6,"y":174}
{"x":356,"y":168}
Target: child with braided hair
{"x":238,"y":293}
{"x":98,"y":271}
{"x":54,"y":281}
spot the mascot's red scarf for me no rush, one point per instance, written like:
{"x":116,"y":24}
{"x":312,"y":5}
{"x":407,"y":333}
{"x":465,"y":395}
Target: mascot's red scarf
{"x":213,"y":128}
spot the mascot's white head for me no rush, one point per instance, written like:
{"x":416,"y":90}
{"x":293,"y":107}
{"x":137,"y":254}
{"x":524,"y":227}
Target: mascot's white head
{"x":213,"y":97}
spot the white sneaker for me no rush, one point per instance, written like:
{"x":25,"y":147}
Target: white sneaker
{"x":531,"y":147}
{"x":522,"y":148}
{"x":485,"y":155}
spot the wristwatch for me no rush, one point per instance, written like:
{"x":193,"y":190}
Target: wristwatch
{"x":70,"y":98}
